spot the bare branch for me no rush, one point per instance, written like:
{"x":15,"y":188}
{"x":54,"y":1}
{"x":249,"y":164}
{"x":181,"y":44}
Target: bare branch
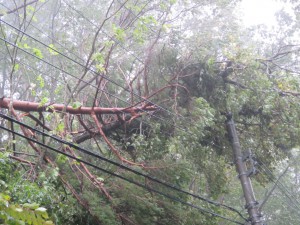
{"x":20,"y":7}
{"x":26,"y":106}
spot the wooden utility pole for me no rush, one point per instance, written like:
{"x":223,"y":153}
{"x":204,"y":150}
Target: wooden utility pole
{"x":251,"y":203}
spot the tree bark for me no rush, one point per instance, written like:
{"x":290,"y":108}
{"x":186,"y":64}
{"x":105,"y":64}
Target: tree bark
{"x":26,"y":106}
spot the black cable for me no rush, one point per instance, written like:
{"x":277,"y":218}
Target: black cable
{"x":283,"y":189}
{"x":268,"y":172}
{"x":176,"y":126}
{"x":90,"y":69}
{"x":94,"y":72}
{"x":45,"y":34}
{"x":115,"y":40}
{"x":44,"y":61}
{"x":50,"y":64}
{"x":157,"y":117}
{"x":121,"y":166}
{"x":121,"y":177}
{"x":46,"y":74}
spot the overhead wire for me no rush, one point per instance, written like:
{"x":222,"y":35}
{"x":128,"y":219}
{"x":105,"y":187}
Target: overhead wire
{"x":74,"y":146}
{"x":120,"y":165}
{"x":203,"y":210}
{"x":90,"y":69}
{"x":92,"y":85}
{"x":86,"y":82}
{"x":270,"y":175}
{"x":120,"y":44}
{"x":110,"y":81}
{"x":45,"y":34}
{"x":113,"y":96}
{"x":281,"y":186}
{"x":265,"y":170}
{"x":56,"y":67}
{"x":153,"y":115}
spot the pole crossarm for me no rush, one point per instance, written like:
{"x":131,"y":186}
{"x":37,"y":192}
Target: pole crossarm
{"x":27,"y":106}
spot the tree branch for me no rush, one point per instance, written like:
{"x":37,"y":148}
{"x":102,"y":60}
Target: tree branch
{"x":26,"y":106}
{"x":21,"y":6}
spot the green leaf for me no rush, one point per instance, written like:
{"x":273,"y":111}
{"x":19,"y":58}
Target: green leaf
{"x":109,"y":43}
{"x":167,"y":27}
{"x":60,"y":127}
{"x":16,"y":67}
{"x":58,"y":89}
{"x":41,"y":80}
{"x":98,"y":57}
{"x":34,"y":19}
{"x":76,"y":105}
{"x":119,"y":33}
{"x":100,"y":179}
{"x":30,"y":9}
{"x":31,"y":205}
{"x":43,"y":101}
{"x":37,"y":52}
{"x":43,"y":213}
{"x":100,"y":68}
{"x":26,"y":46}
{"x":62,"y":159}
{"x":52,"y":49}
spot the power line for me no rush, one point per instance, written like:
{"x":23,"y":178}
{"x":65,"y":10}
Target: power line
{"x":115,"y":40}
{"x":160,"y":107}
{"x":42,"y":32}
{"x":92,"y":70}
{"x":283,"y":189}
{"x":48,"y":63}
{"x":121,"y":166}
{"x":46,"y":74}
{"x":203,"y":210}
{"x":268,"y":172}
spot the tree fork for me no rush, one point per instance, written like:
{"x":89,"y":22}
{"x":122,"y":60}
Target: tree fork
{"x":251,"y":203}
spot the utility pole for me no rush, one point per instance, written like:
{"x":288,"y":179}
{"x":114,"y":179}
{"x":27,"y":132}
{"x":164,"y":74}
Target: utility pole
{"x":251,"y":203}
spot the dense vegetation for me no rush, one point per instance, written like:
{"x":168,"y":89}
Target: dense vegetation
{"x":146,"y":84}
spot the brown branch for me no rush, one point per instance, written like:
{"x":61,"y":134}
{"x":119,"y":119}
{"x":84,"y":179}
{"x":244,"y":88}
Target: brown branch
{"x":21,"y":6}
{"x":21,"y":160}
{"x":26,"y":132}
{"x":95,"y":39}
{"x":91,"y":177}
{"x":36,"y":107}
{"x":110,"y":145}
{"x":37,"y":121}
{"x":284,"y":93}
{"x":155,"y":93}
{"x":226,"y":80}
{"x":107,"y":129}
